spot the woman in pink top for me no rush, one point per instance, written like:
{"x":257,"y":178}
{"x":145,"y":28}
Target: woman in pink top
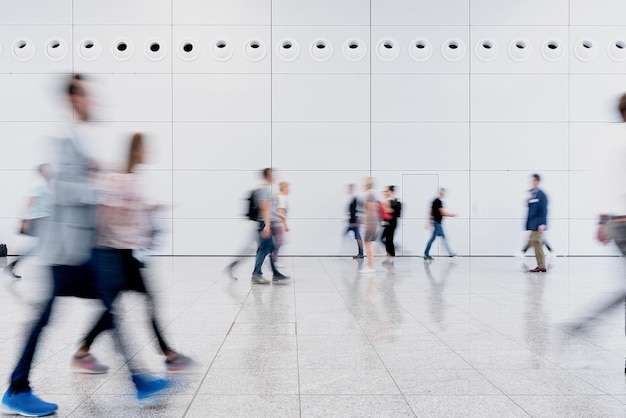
{"x":124,"y":226}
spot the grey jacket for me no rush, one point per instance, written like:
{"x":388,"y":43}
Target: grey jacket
{"x":71,"y":232}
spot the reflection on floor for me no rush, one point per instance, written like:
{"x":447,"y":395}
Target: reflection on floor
{"x":456,"y":337}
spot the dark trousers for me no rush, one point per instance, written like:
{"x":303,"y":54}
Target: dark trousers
{"x":266,"y":246}
{"x":133,"y":281}
{"x":387,"y":238}
{"x":78,"y":281}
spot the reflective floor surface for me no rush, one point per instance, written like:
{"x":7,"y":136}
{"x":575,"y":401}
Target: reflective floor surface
{"x":456,"y":337}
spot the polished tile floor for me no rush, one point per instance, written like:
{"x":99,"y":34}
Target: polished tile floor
{"x":456,"y":337}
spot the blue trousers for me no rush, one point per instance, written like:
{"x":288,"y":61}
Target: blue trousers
{"x":437,"y":232}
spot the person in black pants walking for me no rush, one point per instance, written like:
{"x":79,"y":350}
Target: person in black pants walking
{"x":391,"y":205}
{"x":354,"y":222}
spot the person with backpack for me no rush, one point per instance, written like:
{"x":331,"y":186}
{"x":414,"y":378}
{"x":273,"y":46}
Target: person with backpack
{"x":262,"y":202}
{"x":437,"y":213}
{"x":252,"y":236}
{"x":391,"y":211}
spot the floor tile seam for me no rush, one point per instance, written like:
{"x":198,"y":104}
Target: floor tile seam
{"x":196,"y":392}
{"x":370,"y":342}
{"x":295,"y":309}
{"x":584,"y":380}
{"x":443,"y":342}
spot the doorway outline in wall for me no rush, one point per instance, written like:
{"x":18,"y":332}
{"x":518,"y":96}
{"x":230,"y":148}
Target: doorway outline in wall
{"x":411,"y":204}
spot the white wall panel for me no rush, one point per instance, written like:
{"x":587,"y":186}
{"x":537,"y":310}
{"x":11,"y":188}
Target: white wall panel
{"x":231,"y":12}
{"x":203,"y":39}
{"x":320,"y":146}
{"x":535,"y":39}
{"x":420,"y":146}
{"x":222,"y":194}
{"x":594,"y":98}
{"x":320,"y":98}
{"x":26,"y":145}
{"x":420,"y":12}
{"x":57,"y":12}
{"x":497,"y":98}
{"x":137,"y":39}
{"x":591,"y":142}
{"x":14,"y":191}
{"x":132,"y":97}
{"x":319,"y":194}
{"x":32,"y":97}
{"x":222,"y":146}
{"x":436,"y":36}
{"x":605,"y":12}
{"x":306,"y":36}
{"x":199,"y":236}
{"x":222,"y":98}
{"x":320,"y":12}
{"x":586,"y":195}
{"x":11,"y":38}
{"x":122,"y":12}
{"x":519,"y":146}
{"x":317,"y":237}
{"x":420,"y":98}
{"x":511,"y":12}
{"x":502,"y":195}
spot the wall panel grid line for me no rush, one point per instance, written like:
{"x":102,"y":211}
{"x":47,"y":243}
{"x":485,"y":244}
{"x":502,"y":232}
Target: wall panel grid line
{"x":480,"y":94}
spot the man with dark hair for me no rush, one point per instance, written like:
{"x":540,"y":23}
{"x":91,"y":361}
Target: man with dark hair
{"x":436,"y":215}
{"x":263,"y":196}
{"x":354,"y":222}
{"x":537,"y":222}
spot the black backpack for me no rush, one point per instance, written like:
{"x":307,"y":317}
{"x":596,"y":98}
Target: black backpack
{"x":397,"y":208}
{"x":3,"y":250}
{"x":253,"y":206}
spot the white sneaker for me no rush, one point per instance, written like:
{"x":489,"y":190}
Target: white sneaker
{"x":520,"y":254}
{"x":367,"y":271}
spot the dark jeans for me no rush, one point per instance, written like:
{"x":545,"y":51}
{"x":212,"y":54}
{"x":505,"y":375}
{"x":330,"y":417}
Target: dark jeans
{"x":66,"y":281}
{"x":266,"y":246}
{"x":133,"y":281}
{"x":357,"y":236}
{"x":387,"y":238}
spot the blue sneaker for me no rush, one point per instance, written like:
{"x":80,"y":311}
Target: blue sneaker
{"x":148,"y":387}
{"x":26,"y":404}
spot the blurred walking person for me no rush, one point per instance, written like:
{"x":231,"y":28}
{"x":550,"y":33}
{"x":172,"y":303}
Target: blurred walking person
{"x":612,"y":220}
{"x":392,"y":206}
{"x":68,"y":247}
{"x":537,"y":222}
{"x":436,"y":215}
{"x":371,"y":222}
{"x":124,"y":227}
{"x":263,"y":201}
{"x":354,"y":223}
{"x":38,"y":210}
{"x":279,"y":219}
